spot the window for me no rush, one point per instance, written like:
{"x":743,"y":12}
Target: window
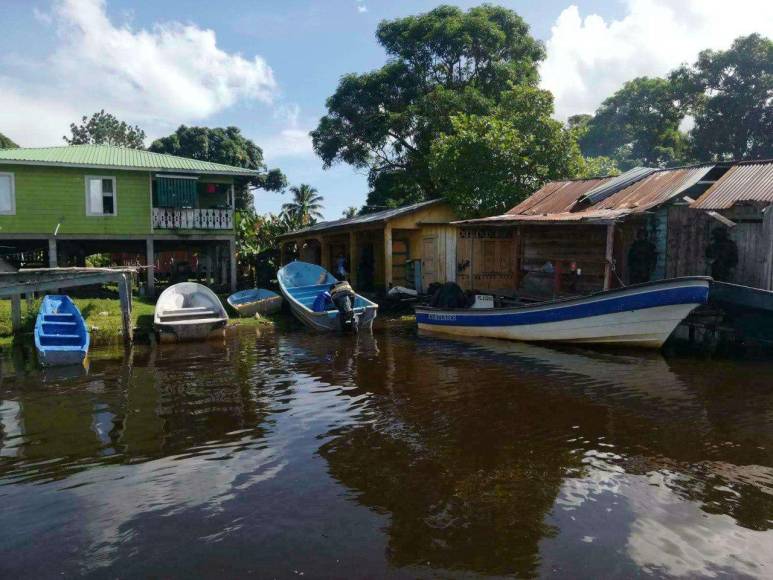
{"x":7,"y":194}
{"x":100,"y":196}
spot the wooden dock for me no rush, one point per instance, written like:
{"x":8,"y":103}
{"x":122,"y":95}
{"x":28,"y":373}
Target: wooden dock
{"x":27,"y":282}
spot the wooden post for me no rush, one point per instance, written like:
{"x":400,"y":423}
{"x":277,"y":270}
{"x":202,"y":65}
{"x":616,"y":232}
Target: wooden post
{"x":30,"y":296}
{"x":353,"y":258}
{"x":282,"y":246}
{"x":517,"y":258}
{"x":388,"y":255}
{"x":223,"y":265}
{"x":609,"y":256}
{"x":53,"y":259}
{"x":16,"y":312}
{"x":125,"y":293}
{"x":232,"y":256}
{"x":324,"y":253}
{"x":150,"y":261}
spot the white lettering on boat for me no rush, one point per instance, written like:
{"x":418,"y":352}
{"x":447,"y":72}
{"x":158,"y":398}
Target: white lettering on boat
{"x":442,"y":317}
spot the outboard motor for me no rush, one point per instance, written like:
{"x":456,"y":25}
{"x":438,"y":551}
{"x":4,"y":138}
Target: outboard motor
{"x":343,"y":297}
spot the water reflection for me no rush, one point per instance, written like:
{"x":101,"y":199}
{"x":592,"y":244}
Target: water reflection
{"x":288,"y":453}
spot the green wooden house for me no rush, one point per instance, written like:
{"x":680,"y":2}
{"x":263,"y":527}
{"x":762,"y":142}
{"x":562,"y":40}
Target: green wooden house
{"x":76,"y":201}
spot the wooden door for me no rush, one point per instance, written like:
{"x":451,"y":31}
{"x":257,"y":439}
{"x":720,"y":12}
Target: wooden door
{"x":428,"y":261}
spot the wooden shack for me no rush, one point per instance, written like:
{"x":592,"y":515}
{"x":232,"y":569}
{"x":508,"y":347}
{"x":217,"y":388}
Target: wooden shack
{"x":411,"y":246}
{"x":576,"y":236}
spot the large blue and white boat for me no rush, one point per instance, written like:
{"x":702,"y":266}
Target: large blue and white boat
{"x":302,"y":284}
{"x":61,"y":336}
{"x":642,"y":315}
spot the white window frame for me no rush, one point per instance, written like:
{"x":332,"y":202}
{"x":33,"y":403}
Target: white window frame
{"x":11,"y":211}
{"x":88,"y":180}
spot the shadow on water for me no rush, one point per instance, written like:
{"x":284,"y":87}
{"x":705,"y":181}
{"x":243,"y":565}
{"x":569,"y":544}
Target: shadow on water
{"x":278,"y":453}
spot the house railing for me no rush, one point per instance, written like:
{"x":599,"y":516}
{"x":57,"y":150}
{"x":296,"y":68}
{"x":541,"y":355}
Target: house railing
{"x":192,"y":219}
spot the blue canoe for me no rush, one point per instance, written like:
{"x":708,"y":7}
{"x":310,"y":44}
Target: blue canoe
{"x":255,"y":301}
{"x":61,"y":337}
{"x":301,"y":283}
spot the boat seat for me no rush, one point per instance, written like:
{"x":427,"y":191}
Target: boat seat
{"x":60,"y":339}
{"x":193,"y":313}
{"x":63,"y":317}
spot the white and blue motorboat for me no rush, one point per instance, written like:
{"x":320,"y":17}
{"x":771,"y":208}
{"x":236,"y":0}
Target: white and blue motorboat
{"x":61,"y":336}
{"x":302,"y":284}
{"x":643,"y":315}
{"x":255,"y":301}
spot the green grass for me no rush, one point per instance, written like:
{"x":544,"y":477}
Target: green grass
{"x":103,"y":318}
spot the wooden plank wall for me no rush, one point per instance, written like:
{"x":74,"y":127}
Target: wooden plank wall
{"x":562,"y":244}
{"x":489,"y":257}
{"x":753,"y":234}
{"x":689,"y":232}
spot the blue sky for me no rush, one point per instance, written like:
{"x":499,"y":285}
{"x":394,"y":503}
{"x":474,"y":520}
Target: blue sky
{"x":268,"y":66}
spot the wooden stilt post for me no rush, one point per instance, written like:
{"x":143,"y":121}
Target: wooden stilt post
{"x":150,"y":261}
{"x":232,"y":262}
{"x":609,"y":255}
{"x":281,"y":253}
{"x":53,"y":258}
{"x":29,"y":296}
{"x":124,"y":293}
{"x":16,"y":312}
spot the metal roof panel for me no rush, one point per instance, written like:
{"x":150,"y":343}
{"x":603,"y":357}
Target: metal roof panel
{"x":748,"y":181}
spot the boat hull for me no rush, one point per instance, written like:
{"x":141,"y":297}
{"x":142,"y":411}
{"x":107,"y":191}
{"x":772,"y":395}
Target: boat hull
{"x":188,"y":311}
{"x":300,"y":283}
{"x":643,"y":316}
{"x":61,"y":336}
{"x":248,"y":303}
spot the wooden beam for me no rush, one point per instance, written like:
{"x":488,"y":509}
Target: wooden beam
{"x":16,"y":312}
{"x":388,"y":255}
{"x":21,"y":287}
{"x":609,"y":256}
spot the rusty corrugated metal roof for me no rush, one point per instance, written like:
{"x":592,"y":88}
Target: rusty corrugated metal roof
{"x":655,"y":189}
{"x":615,"y":184}
{"x":748,"y":181}
{"x":556,"y":196}
{"x":560,"y":201}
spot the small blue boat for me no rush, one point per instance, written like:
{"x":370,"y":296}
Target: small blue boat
{"x":61,"y":337}
{"x":302,"y":283}
{"x":255,"y":301}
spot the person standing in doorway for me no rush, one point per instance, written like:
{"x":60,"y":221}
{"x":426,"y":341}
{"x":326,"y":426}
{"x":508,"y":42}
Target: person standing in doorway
{"x":340,"y":268}
{"x":722,"y":252}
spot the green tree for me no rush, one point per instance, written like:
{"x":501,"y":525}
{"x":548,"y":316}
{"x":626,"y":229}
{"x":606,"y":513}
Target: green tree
{"x":351,"y":211}
{"x":103,"y":128}
{"x":489,"y":163}
{"x":598,"y":167}
{"x":305,"y":207}
{"x":638,"y":125}
{"x":224,"y":145}
{"x":6,"y":143}
{"x":730,"y":96}
{"x":440,"y":63}
{"x":257,"y":244}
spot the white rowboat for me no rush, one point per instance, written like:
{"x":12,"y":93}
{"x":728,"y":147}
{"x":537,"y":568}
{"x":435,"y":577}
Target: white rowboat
{"x":188,"y":311}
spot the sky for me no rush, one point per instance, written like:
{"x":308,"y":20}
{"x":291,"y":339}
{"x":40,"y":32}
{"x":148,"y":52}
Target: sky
{"x":268,"y":66}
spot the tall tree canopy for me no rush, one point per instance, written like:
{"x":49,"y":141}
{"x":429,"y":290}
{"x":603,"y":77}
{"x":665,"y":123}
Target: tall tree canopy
{"x":6,"y":143}
{"x":306,"y":206}
{"x":441,"y":63}
{"x":103,"y":128}
{"x":730,"y":96}
{"x":638,"y":125}
{"x":224,"y":145}
{"x":489,"y":163}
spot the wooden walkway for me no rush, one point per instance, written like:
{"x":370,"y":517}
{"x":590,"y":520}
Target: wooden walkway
{"x":29,"y":281}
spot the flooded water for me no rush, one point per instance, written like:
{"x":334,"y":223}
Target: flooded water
{"x":281,"y":454}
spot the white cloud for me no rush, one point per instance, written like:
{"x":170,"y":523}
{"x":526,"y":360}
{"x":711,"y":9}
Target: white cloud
{"x":159,"y":77}
{"x":361,"y":8}
{"x":589,"y":58}
{"x":293,"y":140}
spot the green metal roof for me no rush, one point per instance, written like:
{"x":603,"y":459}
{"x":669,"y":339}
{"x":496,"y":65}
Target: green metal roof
{"x":115,"y":158}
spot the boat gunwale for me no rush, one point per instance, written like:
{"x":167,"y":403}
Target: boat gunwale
{"x":565,"y":301}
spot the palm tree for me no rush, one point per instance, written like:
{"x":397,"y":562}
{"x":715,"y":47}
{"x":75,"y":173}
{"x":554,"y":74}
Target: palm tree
{"x":350,"y":212}
{"x":306,"y":205}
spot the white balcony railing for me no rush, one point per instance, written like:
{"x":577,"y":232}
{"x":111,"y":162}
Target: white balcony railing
{"x":192,"y":219}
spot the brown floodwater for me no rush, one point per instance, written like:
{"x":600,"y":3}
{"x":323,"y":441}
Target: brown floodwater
{"x":283,"y":453}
